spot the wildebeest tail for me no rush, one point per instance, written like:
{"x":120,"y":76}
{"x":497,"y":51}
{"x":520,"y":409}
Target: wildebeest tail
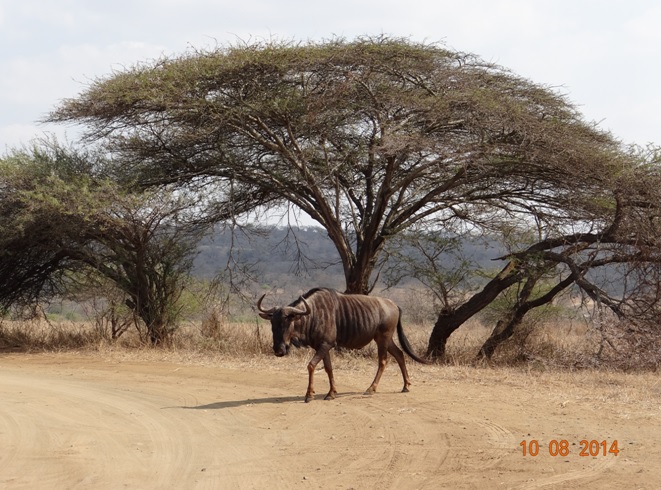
{"x":404,"y":342}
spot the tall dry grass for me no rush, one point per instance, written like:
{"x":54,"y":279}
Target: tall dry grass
{"x":552,"y":345}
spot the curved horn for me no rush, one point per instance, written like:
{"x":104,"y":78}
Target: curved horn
{"x":259,"y":306}
{"x":304,"y":312}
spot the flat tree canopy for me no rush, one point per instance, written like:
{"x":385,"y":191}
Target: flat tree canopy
{"x":369,"y":137}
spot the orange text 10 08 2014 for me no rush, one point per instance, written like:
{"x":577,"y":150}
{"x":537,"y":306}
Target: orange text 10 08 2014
{"x":562,"y":447}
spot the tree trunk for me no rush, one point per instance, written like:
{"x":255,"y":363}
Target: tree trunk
{"x":157,"y":333}
{"x":359,"y":271}
{"x":505,"y":328}
{"x":449,"y":321}
{"x":358,"y":281}
{"x":154,"y":321}
{"x":503,"y":331}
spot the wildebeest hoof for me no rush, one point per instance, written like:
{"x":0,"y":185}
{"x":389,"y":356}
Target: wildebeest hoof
{"x":405,"y":389}
{"x":309,"y":398}
{"x":331,"y":395}
{"x":370,"y":391}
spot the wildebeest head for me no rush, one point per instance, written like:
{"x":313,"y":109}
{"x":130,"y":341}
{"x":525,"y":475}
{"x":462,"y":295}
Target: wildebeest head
{"x":283,"y":322}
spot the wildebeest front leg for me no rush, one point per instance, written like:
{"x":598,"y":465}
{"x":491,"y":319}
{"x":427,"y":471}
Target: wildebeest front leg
{"x":321,"y":353}
{"x":329,"y":371}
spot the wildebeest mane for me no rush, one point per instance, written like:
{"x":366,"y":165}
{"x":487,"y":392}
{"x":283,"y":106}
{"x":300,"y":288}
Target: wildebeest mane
{"x":310,"y":293}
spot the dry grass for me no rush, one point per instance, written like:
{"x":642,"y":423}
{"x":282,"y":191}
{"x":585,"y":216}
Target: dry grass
{"x":35,"y":335}
{"x":551,"y":346}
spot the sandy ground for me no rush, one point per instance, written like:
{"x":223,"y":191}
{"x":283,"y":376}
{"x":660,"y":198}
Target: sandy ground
{"x":92,"y":421}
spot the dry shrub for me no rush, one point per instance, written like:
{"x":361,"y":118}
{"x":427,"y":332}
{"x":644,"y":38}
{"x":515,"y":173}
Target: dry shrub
{"x":212,"y":325}
{"x":606,"y":344}
{"x":39,"y":335}
{"x":215,"y":333}
{"x":547,"y":345}
{"x":417,"y":304}
{"x":627,"y":346}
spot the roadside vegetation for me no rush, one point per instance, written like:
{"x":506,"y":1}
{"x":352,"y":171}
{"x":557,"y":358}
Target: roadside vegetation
{"x":550,"y":342}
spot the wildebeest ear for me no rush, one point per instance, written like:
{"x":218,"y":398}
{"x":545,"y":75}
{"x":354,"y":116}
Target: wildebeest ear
{"x":266,"y":316}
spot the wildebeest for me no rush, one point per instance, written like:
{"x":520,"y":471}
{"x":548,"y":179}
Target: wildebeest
{"x":325,"y":318}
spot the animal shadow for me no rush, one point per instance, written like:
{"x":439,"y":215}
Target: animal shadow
{"x":260,"y":401}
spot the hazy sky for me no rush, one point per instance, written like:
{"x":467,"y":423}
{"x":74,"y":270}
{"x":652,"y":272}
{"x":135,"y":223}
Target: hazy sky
{"x":606,"y":55}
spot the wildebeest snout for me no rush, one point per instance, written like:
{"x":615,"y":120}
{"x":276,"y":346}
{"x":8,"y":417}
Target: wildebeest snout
{"x":281,"y":349}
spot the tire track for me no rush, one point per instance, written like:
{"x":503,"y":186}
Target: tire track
{"x":86,"y":434}
{"x":594,"y":469}
{"x":78,"y":427}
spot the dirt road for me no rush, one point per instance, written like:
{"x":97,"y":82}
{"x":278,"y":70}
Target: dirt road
{"x":83,"y":421}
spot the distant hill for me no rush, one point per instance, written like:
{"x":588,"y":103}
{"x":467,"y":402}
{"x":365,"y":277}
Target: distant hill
{"x":304,"y":256}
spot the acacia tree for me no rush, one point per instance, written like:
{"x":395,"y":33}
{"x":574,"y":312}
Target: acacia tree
{"x":63,"y":224}
{"x":369,"y":137}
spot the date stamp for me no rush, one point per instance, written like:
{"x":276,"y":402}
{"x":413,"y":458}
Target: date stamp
{"x":563,"y":447}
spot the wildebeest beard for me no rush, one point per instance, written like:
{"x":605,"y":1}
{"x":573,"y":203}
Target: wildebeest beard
{"x":281,"y":325}
{"x":280,"y":347}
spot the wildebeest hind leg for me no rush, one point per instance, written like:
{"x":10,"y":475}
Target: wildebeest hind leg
{"x":399,"y":356}
{"x":329,"y":371}
{"x":383,"y":360}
